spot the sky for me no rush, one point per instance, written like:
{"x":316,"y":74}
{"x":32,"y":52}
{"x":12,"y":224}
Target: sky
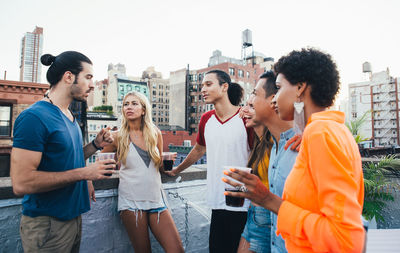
{"x":171,"y":34}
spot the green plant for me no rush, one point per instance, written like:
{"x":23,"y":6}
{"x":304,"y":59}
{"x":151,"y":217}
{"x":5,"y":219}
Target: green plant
{"x":355,"y":126}
{"x":378,"y":188}
{"x":103,"y":108}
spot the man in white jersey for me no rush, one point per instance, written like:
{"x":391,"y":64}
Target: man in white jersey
{"x":227,"y":141}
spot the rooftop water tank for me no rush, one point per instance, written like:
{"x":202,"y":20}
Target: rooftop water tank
{"x":247,"y":38}
{"x":367,"y":67}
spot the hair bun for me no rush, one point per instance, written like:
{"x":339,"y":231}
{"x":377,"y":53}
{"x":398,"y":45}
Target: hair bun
{"x":47,"y":59}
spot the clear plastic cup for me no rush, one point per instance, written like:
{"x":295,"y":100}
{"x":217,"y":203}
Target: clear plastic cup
{"x":106,"y":156}
{"x":168,"y":160}
{"x":229,"y":200}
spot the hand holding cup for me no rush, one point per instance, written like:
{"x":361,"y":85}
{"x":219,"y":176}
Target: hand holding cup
{"x":234,"y":188}
{"x":168,"y":160}
{"x":105,"y":156}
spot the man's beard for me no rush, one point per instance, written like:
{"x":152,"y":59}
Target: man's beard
{"x":77,"y":98}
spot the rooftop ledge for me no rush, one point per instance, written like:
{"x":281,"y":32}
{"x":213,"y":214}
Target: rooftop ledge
{"x":188,"y":208}
{"x":194,"y":172}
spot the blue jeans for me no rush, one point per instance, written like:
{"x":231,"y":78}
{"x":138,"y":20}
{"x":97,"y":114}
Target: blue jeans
{"x":258,"y":229}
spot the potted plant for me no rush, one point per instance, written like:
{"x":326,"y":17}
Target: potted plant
{"x":378,"y":188}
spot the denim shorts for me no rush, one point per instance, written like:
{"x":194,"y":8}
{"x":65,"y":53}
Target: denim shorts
{"x":258,"y":229}
{"x":156,"y":210}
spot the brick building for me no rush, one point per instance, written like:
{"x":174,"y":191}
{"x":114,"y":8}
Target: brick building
{"x":14,"y":98}
{"x":185,"y":111}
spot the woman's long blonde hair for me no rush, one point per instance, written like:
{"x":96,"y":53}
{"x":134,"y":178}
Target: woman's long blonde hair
{"x":150,"y":132}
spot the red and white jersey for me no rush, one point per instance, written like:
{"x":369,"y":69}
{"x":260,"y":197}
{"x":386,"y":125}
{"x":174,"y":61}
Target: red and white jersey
{"x":228,"y":143}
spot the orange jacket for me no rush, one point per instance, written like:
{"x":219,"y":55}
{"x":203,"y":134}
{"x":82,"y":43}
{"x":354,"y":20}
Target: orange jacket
{"x":324,"y":193}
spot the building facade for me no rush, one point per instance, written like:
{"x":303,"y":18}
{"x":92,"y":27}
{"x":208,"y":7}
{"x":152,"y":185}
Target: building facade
{"x":187,"y":110}
{"x":177,"y":110}
{"x":14,"y":98}
{"x":31,"y":51}
{"x":159,"y":95}
{"x":112,"y":91}
{"x":379,"y":97}
{"x":95,"y":122}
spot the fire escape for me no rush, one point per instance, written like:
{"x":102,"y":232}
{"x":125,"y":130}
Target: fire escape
{"x":384,"y":109}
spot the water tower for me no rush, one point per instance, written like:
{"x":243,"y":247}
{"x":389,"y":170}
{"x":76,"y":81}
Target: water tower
{"x":367,"y":70}
{"x":247,"y":46}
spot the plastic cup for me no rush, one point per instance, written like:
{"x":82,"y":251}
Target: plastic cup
{"x":229,"y":200}
{"x":168,"y":160}
{"x":106,"y":156}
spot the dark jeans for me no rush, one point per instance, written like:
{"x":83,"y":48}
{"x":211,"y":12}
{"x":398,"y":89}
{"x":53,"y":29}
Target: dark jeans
{"x":225,"y":230}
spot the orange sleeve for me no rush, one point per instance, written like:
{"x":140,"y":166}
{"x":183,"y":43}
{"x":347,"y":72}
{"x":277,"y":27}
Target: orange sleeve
{"x":337,"y":227}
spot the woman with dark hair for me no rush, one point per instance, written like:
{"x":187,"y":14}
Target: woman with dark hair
{"x":256,"y":233}
{"x":321,"y":207}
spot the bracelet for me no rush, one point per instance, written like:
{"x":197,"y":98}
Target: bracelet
{"x":95,"y":146}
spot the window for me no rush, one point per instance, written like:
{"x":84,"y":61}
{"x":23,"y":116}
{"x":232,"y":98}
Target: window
{"x":248,"y":75}
{"x":231,"y":71}
{"x":193,"y":77}
{"x":104,"y":92}
{"x":137,"y":88}
{"x":240,"y":73}
{"x":5,"y":120}
{"x":4,"y":165}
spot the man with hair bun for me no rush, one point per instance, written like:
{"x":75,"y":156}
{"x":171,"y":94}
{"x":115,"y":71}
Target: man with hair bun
{"x":227,"y":140}
{"x":48,"y":161}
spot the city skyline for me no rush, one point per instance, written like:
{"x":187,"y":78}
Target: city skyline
{"x":171,"y":34}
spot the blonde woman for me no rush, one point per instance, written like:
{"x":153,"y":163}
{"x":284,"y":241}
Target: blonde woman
{"x":141,"y":200}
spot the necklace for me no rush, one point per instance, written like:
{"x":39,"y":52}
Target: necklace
{"x":135,"y":137}
{"x":69,"y":110}
{"x":47,"y":96}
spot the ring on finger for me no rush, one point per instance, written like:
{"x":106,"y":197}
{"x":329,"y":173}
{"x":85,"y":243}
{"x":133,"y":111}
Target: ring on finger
{"x":242,"y":188}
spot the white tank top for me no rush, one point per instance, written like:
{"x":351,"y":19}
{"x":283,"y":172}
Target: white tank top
{"x":137,"y":182}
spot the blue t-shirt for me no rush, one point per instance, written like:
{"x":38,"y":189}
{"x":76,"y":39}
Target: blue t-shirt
{"x":281,"y":162}
{"x":44,"y":128}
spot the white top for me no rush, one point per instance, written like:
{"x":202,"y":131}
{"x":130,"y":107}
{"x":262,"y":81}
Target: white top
{"x":139,"y":186}
{"x":227,"y":144}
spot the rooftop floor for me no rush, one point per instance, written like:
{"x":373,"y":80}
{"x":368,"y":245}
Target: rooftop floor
{"x":383,"y":241}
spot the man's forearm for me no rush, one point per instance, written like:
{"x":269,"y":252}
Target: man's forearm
{"x":194,"y":155}
{"x":43,"y":181}
{"x":89,"y":150}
